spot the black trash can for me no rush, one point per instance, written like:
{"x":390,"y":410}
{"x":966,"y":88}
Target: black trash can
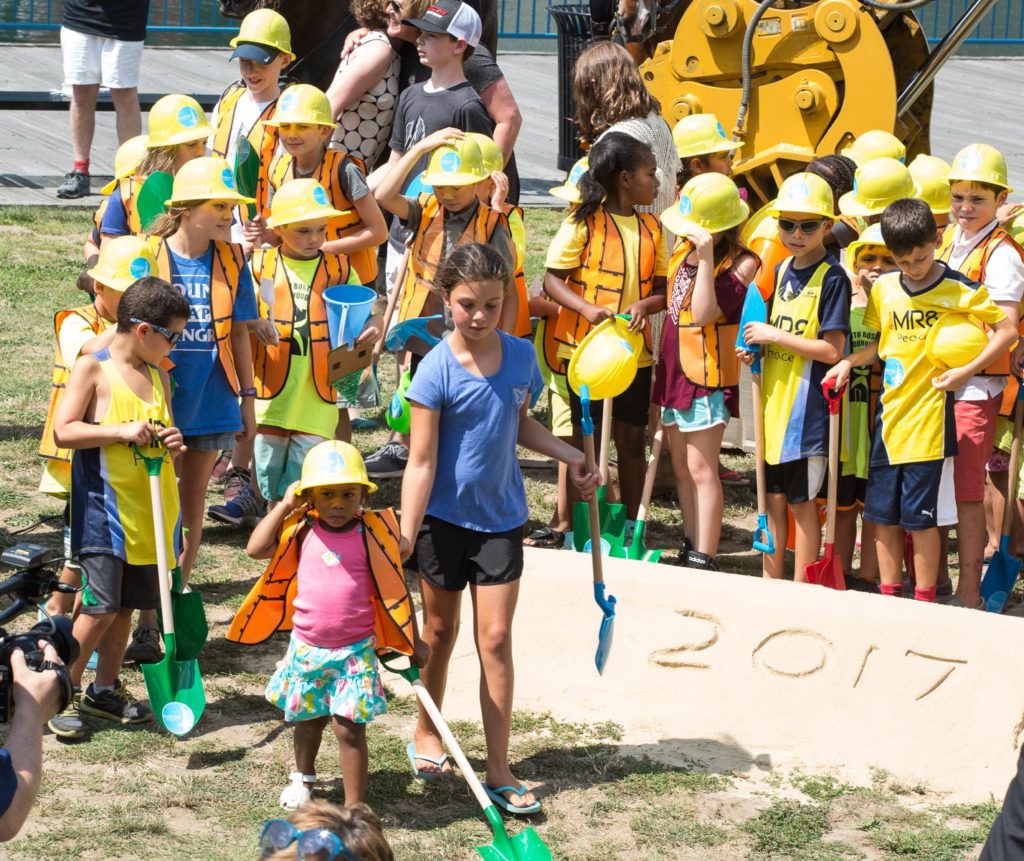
{"x":575,"y":30}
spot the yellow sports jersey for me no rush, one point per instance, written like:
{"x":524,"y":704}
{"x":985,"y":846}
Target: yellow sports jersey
{"x":914,"y":422}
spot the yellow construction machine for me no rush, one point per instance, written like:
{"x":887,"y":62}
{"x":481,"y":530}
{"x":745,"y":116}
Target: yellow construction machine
{"x":793,"y":79}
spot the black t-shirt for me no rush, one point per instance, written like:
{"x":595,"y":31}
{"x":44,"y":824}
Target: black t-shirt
{"x":481,"y":71}
{"x":124,"y":20}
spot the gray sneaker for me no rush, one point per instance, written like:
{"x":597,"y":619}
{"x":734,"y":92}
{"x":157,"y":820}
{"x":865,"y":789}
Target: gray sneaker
{"x":76,"y":184}
{"x":145,"y":646}
{"x":245,"y":509}
{"x":116,"y":705}
{"x":388,"y":462}
{"x":67,"y":725}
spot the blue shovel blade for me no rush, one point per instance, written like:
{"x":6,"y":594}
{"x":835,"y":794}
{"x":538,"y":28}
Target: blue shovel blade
{"x":754,"y":311}
{"x":418,"y":327}
{"x":999,"y":577}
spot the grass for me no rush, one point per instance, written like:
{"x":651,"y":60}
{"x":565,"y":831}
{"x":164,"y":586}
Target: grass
{"x":131,"y":793}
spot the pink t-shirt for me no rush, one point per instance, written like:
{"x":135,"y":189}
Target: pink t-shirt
{"x":334,"y":596}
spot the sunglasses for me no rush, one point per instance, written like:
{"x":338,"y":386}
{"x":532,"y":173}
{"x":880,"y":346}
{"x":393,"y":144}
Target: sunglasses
{"x":318,"y":844}
{"x":812,"y":225}
{"x":394,"y":7}
{"x":172,"y":337}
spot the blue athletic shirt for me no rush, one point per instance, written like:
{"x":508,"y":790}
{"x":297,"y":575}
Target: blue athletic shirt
{"x":204,"y":401}
{"x":478,"y":484}
{"x":115,"y":219}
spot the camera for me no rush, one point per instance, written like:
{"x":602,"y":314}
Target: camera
{"x":34,"y":579}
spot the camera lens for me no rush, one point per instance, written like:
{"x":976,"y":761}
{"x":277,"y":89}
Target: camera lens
{"x":59,"y":633}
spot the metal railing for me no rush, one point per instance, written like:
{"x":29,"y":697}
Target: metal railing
{"x":517,"y":19}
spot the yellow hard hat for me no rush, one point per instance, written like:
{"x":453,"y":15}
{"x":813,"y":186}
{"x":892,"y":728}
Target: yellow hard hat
{"x":302,"y":103}
{"x":701,"y":134}
{"x":128,"y":157}
{"x":709,"y":200}
{"x":980,"y":163}
{"x":877,"y":184}
{"x":954,"y":341}
{"x":490,"y":152}
{"x":876,"y":144}
{"x":205,"y":178}
{"x":123,"y":261}
{"x":806,"y":194}
{"x":606,"y":359}
{"x":569,"y":190}
{"x":932,"y":176}
{"x":300,"y":200}
{"x":265,"y":27}
{"x":334,"y":462}
{"x":457,"y":163}
{"x":176,"y":119}
{"x":871,"y":235}
{"x":1016,"y":229}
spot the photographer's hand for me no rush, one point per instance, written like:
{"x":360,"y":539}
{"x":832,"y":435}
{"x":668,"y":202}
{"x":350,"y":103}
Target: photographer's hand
{"x":36,"y":692}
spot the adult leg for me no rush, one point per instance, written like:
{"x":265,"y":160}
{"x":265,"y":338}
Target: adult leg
{"x":493,"y":608}
{"x":194,"y":469}
{"x":129,"y":117}
{"x":83,"y":120}
{"x":354,"y":758}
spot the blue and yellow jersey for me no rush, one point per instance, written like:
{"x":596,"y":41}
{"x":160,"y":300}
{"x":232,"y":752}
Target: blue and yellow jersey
{"x":111,"y":512}
{"x":914,"y":422}
{"x":808,"y":303}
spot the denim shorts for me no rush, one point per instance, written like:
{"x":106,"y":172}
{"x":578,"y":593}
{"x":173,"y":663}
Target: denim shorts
{"x":704,"y":412}
{"x":211,"y":441}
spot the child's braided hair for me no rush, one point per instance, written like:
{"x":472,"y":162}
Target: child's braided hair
{"x":837,"y":170}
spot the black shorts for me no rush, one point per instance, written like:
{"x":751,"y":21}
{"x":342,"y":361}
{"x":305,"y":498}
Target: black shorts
{"x":850,"y":492}
{"x":112,"y":584}
{"x":800,"y":480}
{"x":631,"y":407}
{"x":451,"y":557}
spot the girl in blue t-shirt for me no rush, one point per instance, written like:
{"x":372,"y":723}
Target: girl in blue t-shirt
{"x":212,"y":359}
{"x":463,"y":500}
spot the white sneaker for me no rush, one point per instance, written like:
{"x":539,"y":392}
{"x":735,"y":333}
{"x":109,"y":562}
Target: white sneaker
{"x":298,"y":792}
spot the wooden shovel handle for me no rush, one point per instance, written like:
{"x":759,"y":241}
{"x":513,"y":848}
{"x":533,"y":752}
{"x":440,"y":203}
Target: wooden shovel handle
{"x":755,"y":391}
{"x":652,"y":473}
{"x":606,"y":436}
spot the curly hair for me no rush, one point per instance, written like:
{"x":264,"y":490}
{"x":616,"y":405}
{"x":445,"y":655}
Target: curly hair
{"x":608,"y":89}
{"x":358,"y":826}
{"x":370,"y":13}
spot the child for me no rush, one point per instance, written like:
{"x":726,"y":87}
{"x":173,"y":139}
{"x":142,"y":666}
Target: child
{"x":809,"y":313}
{"x":867,"y":259}
{"x":696,"y":382}
{"x":463,"y":487}
{"x":213,"y":360}
{"x":304,"y":123}
{"x":325,"y":832}
{"x":263,"y":48}
{"x":117,"y":398}
{"x":349,"y":599}
{"x":911,"y":473}
{"x":876,"y":184}
{"x":295,"y":406}
{"x":702,"y":147}
{"x":978,"y":248}
{"x":440,"y":221}
{"x":608,"y":259}
{"x":126,"y":162}
{"x":177,"y":134}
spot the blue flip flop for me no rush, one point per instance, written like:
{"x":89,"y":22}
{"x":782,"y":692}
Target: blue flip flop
{"x":497,"y":796}
{"x":425,"y":775}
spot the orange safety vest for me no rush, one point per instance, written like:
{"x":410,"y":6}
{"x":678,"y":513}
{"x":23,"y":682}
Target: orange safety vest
{"x":269,"y":605}
{"x":522,"y":327}
{"x":328,"y":174}
{"x":61,"y":372}
{"x":974,"y":268}
{"x":598,"y":278}
{"x":707,"y":354}
{"x":228,"y":261}
{"x":272,"y":362}
{"x":428,"y":248}
{"x":262,"y":138}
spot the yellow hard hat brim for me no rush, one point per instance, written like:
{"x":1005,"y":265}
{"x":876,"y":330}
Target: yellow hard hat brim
{"x":568,"y":193}
{"x":110,"y":186}
{"x":226,"y":195}
{"x":300,"y":218}
{"x":850,"y":204}
{"x":276,"y":124}
{"x":369,"y":485}
{"x":99,"y":275}
{"x":722,"y":146}
{"x":680,"y":224}
{"x":200,"y":133}
{"x":458,"y":179}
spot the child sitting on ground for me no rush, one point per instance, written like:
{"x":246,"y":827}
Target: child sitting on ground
{"x":325,"y":832}
{"x":910,"y":480}
{"x":115,"y":399}
{"x":350,"y":599}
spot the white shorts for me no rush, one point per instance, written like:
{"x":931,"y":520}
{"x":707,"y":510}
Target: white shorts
{"x":92,"y":59}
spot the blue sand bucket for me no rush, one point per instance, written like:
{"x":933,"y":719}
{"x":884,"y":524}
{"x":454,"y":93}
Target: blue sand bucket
{"x":348,"y":309}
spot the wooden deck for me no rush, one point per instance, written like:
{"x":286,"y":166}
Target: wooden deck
{"x":35,"y":151}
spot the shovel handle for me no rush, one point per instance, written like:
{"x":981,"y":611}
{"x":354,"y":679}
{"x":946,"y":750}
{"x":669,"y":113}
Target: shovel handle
{"x":392,"y":660}
{"x":592,"y":504}
{"x":1018,"y":424}
{"x":606,"y":437}
{"x":834,"y":398}
{"x":162,"y":567}
{"x":652,"y":474}
{"x":389,"y":312}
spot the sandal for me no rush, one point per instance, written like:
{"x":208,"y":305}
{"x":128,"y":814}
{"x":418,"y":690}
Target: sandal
{"x":298,"y":792}
{"x":425,"y":775}
{"x":497,"y":795}
{"x":545,"y":537}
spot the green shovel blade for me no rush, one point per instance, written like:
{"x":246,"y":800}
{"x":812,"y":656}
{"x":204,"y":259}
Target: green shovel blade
{"x":247,"y":170}
{"x":637,"y":549}
{"x":613,"y":525}
{"x":524,"y":846}
{"x":155,"y":192}
{"x":175,"y":690}
{"x":190,"y":626}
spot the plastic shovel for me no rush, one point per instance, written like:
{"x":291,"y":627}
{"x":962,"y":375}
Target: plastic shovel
{"x":247,"y":171}
{"x":1004,"y":567}
{"x":153,"y":195}
{"x":175,"y":686}
{"x":190,"y":624}
{"x":756,"y":311}
{"x":415,"y":327}
{"x":828,"y":571}
{"x":637,"y":549}
{"x":607,"y":604}
{"x":524,"y":846}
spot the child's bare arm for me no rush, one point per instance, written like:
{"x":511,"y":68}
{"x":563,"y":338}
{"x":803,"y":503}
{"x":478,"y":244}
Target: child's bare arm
{"x":263,"y":541}
{"x":71,"y":426}
{"x":389,"y":191}
{"x":840,"y":371}
{"x":534,"y":436}
{"x":371,"y":230}
{"x":372,"y":330}
{"x":419,"y":473}
{"x":640,"y":310}
{"x":556,"y":288}
{"x":170,"y":436}
{"x":99,"y":342}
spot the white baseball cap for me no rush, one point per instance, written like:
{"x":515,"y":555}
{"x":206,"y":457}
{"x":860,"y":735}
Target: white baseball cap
{"x":451,"y":17}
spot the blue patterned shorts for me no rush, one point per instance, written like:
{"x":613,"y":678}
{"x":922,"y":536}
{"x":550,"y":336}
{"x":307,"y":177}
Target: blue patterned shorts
{"x":312,"y":682}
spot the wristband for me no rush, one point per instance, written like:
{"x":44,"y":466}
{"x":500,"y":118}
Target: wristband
{"x":247,"y":393}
